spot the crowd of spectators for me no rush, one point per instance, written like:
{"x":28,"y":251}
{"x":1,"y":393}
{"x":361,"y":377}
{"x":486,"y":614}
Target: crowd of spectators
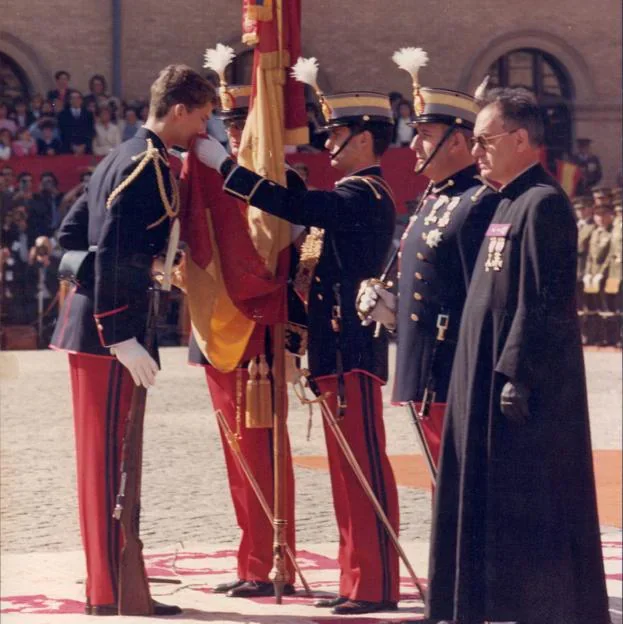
{"x":68,"y":121}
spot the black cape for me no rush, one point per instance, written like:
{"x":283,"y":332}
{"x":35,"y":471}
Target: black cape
{"x":515,"y":533}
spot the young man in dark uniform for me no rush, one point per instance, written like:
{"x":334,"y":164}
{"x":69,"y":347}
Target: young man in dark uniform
{"x":437,"y":255}
{"x":344,"y":357}
{"x":123,"y":219}
{"x":227,"y":390}
{"x":515,"y":529}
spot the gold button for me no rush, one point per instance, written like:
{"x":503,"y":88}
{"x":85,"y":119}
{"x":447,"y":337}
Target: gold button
{"x":418,"y":275}
{"x":400,"y":254}
{"x":415,"y":317}
{"x":320,"y":297}
{"x":398,"y":274}
{"x":317,"y":278}
{"x":417,"y":296}
{"x":100,"y":327}
{"x":419,"y":255}
{"x":424,"y":235}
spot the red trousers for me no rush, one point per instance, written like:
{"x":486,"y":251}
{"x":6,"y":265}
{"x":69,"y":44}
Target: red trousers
{"x":255,"y":553}
{"x":433,"y":428}
{"x":101,"y":392}
{"x":369,"y":567}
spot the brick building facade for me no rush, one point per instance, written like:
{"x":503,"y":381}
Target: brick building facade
{"x":570,"y":49}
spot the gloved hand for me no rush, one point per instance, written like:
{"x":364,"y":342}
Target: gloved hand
{"x":135,"y":358}
{"x":586,"y":280}
{"x":378,"y":305}
{"x":210,"y":152}
{"x":514,"y":402}
{"x":597,"y":280}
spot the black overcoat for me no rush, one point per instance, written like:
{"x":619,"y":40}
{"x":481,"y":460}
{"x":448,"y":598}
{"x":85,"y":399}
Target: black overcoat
{"x":515,"y":534}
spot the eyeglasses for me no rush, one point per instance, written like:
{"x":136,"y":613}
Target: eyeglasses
{"x":486,"y":141}
{"x":237,"y":124}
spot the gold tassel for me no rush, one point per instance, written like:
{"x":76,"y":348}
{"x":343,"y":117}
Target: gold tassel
{"x":259,"y":414}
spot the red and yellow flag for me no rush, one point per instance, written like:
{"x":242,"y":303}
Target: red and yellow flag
{"x":568,"y":175}
{"x":277,"y":111}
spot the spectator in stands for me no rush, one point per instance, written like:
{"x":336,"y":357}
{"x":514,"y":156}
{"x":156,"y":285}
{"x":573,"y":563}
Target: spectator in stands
{"x":130,"y":124}
{"x":46,"y":114}
{"x":6,"y":150}
{"x":24,"y":145}
{"x":6,"y":121}
{"x":107,"y":133}
{"x":395,"y":97}
{"x":49,"y":202}
{"x":403,"y":132}
{"x":61,"y":95}
{"x":16,"y":280}
{"x":77,"y":126}
{"x":144,"y":113}
{"x":8,"y":176}
{"x":97,"y":92}
{"x":48,"y":144}
{"x":36,"y":210}
{"x":21,"y":115}
{"x":36,"y":103}
{"x":92,"y":108}
{"x":74,"y":193}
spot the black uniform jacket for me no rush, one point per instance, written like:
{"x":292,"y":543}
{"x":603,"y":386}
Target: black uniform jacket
{"x":296,"y":311}
{"x":115,"y":308}
{"x":437,"y":256}
{"x":358,"y":219}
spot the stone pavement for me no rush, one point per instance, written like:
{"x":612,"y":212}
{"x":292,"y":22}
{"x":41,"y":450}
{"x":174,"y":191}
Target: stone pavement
{"x":185,"y":500}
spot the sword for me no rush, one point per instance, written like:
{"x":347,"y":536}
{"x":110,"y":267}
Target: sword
{"x":235,"y":447}
{"x":321,"y":399}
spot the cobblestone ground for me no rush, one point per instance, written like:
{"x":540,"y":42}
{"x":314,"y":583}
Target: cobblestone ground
{"x":185,"y":494}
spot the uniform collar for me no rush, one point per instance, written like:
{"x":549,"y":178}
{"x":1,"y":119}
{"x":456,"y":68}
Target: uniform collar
{"x":373,"y":170}
{"x":527,"y":178}
{"x":458,"y":182}
{"x":144,"y":133}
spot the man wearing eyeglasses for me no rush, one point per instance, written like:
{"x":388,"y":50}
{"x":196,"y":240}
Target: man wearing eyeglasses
{"x":438,"y":251}
{"x":515,"y":531}
{"x":228,"y":394}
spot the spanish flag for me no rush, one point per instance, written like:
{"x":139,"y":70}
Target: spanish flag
{"x":277,"y":112}
{"x":568,"y":175}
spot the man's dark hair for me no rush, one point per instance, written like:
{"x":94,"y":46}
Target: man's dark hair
{"x":24,"y":174}
{"x":519,"y":109}
{"x":179,"y":84}
{"x":101,"y":79}
{"x":49,"y":174}
{"x":47,"y":123}
{"x":62,"y":72}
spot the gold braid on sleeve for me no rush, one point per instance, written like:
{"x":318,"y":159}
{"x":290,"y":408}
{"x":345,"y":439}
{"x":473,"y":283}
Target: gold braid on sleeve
{"x":152,"y":154}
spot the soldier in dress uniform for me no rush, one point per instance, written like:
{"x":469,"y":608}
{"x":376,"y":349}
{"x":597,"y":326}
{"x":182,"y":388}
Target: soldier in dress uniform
{"x":590,"y":166}
{"x":596,"y":273}
{"x":227,"y":390}
{"x":346,"y":360}
{"x":123,"y":220}
{"x":438,"y":251}
{"x":586,"y":224}
{"x":613,"y":289}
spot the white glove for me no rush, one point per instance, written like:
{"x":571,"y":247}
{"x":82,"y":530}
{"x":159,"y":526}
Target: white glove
{"x":210,"y":152}
{"x":587,"y":280}
{"x":379,"y":305}
{"x":135,"y":358}
{"x":597,"y":280}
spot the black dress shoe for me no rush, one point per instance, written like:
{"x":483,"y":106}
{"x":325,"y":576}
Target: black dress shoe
{"x":111,"y":609}
{"x":329,"y":603}
{"x":358,"y":607}
{"x":223,"y":588}
{"x":258,"y":589}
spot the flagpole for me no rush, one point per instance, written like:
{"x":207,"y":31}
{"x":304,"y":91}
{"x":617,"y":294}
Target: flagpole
{"x":279,"y":573}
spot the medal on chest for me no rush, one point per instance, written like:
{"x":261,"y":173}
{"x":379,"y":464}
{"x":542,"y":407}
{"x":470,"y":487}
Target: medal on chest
{"x":432,"y":215}
{"x":497,"y":235}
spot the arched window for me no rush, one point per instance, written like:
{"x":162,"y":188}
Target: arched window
{"x":543,"y":74}
{"x":13,"y":80}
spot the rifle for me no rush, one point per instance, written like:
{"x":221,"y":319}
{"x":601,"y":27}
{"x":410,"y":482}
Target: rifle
{"x":133,"y":595}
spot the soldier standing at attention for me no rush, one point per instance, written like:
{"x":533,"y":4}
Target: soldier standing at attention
{"x":586,"y":224}
{"x":123,"y":220}
{"x":438,"y":251}
{"x":346,"y":360}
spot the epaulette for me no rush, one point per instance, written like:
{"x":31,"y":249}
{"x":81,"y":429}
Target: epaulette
{"x":373,"y":182}
{"x":151,"y":154}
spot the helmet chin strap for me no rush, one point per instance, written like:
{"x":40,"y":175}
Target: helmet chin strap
{"x":351,"y":136}
{"x":439,"y":145}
